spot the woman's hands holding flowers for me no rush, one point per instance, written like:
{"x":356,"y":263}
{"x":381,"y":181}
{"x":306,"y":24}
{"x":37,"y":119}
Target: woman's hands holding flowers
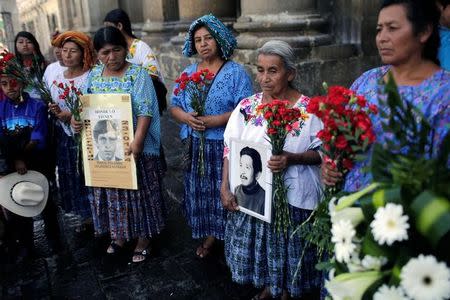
{"x":77,"y":126}
{"x":330,"y":174}
{"x":192,"y":121}
{"x":277,"y":163}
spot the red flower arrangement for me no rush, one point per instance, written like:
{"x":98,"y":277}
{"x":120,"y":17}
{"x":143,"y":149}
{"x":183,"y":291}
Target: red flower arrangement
{"x":9,"y":65}
{"x":71,"y":96}
{"x":347,"y":129}
{"x":197,"y":86}
{"x":280,"y":120}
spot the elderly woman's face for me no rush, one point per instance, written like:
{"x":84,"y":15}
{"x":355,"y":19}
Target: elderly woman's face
{"x":10,"y":87}
{"x":205,"y":44}
{"x":395,"y":38}
{"x":24,"y":46}
{"x":272,"y":75}
{"x":72,"y":55}
{"x":112,"y":56}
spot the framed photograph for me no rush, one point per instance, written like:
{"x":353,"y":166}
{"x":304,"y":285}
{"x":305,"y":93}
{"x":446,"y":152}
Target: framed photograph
{"x":250,"y":179}
{"x":108,"y":131}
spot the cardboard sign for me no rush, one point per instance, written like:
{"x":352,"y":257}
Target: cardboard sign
{"x":107,"y":133}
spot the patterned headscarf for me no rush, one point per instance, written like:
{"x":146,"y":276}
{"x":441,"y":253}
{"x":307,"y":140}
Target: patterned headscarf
{"x":223,"y":36}
{"x":81,"y":40}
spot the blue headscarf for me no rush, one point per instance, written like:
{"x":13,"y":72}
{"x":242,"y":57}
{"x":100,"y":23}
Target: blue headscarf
{"x":223,"y":36}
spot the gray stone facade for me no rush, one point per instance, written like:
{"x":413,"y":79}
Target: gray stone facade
{"x":334,"y":40}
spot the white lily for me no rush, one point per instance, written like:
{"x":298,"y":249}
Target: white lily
{"x":351,"y":286}
{"x":353,"y":214}
{"x":349,"y":200}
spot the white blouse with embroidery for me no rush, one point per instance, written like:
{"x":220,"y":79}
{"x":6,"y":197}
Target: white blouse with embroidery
{"x":303,"y":181}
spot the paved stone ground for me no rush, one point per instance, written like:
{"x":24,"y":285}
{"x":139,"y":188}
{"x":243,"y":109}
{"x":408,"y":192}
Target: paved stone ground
{"x":83,"y":271}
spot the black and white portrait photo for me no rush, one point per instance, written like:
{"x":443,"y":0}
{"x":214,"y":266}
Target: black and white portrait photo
{"x":107,"y":141}
{"x":250,"y":178}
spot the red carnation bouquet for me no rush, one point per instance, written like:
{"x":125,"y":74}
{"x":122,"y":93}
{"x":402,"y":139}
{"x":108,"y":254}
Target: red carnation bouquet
{"x":281,"y":120}
{"x":9,"y":65}
{"x":71,"y":96}
{"x":346,"y":136}
{"x":347,"y":129}
{"x":197,"y":86}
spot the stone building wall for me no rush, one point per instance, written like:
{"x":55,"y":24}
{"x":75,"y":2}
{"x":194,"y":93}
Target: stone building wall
{"x":334,"y":40}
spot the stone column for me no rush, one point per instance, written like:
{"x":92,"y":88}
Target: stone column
{"x":160,"y":18}
{"x":134,"y":9}
{"x":192,"y":9}
{"x":294,"y":21}
{"x":93,"y":13}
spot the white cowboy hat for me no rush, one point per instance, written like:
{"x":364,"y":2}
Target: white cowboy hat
{"x":24,"y":195}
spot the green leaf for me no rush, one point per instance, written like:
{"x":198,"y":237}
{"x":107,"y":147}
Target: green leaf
{"x":432,"y":215}
{"x":371,"y":247}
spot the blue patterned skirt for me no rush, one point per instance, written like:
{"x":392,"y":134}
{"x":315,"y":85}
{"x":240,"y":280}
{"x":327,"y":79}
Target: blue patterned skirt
{"x":202,"y":205}
{"x":259,"y":256}
{"x":73,"y":194}
{"x":129,"y":214}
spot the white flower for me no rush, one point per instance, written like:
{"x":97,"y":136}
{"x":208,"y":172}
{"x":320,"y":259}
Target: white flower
{"x":389,"y":224}
{"x":342,"y":232}
{"x":426,"y":278}
{"x":351,"y":286}
{"x":353,"y":214}
{"x":344,"y":251}
{"x":373,"y":263}
{"x":389,"y":293}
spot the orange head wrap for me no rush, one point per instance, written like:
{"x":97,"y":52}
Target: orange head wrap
{"x":81,"y":40}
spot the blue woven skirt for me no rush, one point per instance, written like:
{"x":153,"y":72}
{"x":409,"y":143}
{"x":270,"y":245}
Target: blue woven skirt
{"x":130,"y":214}
{"x":202,"y":205}
{"x":73,"y":194}
{"x":259,"y":256}
{"x":284,"y":256}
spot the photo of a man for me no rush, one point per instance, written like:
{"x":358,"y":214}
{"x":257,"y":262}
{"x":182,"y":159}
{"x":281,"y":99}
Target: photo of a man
{"x":249,"y":193}
{"x":106,"y":135}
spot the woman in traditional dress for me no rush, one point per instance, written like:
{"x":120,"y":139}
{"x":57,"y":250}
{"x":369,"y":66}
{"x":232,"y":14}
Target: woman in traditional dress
{"x":78,"y":58}
{"x":407,"y":40}
{"x":128,"y":214}
{"x":214,"y":43}
{"x":139,"y":52}
{"x":255,"y":252}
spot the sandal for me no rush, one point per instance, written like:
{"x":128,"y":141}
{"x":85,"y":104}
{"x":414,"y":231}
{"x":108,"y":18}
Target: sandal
{"x":114,"y":248}
{"x":137,"y":254}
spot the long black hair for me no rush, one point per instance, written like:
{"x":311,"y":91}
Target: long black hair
{"x":37,"y":49}
{"x":109,"y":35}
{"x":117,"y":16}
{"x":421,"y":14}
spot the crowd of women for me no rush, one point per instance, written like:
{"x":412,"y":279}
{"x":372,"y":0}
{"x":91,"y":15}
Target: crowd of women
{"x":115,"y":61}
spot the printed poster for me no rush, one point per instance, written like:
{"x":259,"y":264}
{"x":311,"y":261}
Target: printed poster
{"x":107,"y":133}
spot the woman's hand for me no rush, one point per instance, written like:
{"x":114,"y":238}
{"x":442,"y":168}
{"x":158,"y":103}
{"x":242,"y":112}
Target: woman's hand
{"x":228,"y":199}
{"x":135,"y":148}
{"x":76,"y":125}
{"x":277,"y":163}
{"x":64,"y":116}
{"x":195,"y":123}
{"x":330,"y":176}
{"x":54,"y":108}
{"x":20,"y":167}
